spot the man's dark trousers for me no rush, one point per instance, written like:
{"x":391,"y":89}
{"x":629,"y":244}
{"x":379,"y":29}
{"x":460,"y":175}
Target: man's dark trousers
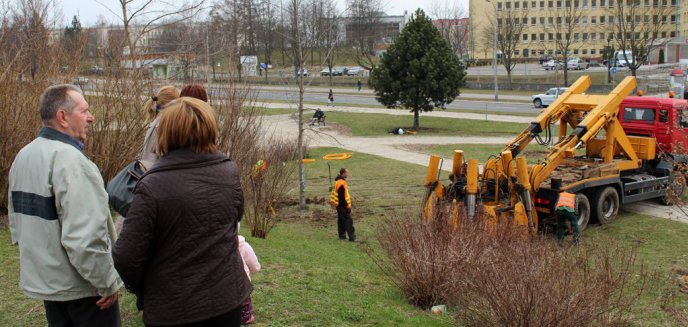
{"x":81,"y":312}
{"x":562,"y":217}
{"x":345,"y":223}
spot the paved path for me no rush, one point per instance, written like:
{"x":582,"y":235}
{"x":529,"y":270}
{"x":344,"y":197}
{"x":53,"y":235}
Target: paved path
{"x":390,"y":147}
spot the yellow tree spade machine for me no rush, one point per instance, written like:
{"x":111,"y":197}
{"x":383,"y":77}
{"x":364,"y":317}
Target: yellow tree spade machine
{"x":620,"y":149}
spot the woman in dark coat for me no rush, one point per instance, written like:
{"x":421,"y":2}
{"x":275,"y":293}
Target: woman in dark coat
{"x":178,"y":250}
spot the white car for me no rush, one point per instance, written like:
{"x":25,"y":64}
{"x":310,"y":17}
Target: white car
{"x":545,"y":99}
{"x":355,"y":71}
{"x":577,"y":64}
{"x":552,"y":64}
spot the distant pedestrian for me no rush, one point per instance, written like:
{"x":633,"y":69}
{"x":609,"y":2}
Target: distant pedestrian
{"x":59,"y":217}
{"x":330,"y":99}
{"x":566,"y":210}
{"x":341,"y":200}
{"x":359,"y":85}
{"x":251,"y":265}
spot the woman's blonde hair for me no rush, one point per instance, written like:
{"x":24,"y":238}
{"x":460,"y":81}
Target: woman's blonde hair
{"x":187,"y":123}
{"x":165,"y":95}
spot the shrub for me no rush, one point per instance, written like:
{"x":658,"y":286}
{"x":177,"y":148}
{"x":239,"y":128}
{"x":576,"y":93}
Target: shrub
{"x":507,"y":280}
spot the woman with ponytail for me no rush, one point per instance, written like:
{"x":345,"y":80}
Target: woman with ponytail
{"x":152,"y":107}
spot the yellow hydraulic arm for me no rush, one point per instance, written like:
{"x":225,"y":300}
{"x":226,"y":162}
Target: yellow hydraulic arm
{"x":602,"y":112}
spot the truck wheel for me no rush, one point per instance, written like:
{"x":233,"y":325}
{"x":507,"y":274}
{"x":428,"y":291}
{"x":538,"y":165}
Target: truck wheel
{"x":583,"y":211}
{"x":605,"y":205}
{"x":537,"y":103}
{"x":676,"y":189}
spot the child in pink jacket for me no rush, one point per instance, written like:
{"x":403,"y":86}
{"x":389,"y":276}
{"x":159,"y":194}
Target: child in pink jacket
{"x":251,"y":265}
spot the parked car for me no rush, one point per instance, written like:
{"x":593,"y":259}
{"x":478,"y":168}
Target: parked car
{"x":576,"y":64}
{"x":355,"y":71}
{"x":552,"y":65}
{"x":303,"y":72}
{"x":545,"y":58}
{"x":545,"y":99}
{"x":80,"y":81}
{"x":336,"y":71}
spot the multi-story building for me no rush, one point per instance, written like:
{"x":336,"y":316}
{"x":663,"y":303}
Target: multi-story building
{"x":542,"y":22}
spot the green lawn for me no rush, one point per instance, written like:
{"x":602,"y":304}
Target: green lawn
{"x":381,"y":124}
{"x":310,"y":278}
{"x":482,"y":152}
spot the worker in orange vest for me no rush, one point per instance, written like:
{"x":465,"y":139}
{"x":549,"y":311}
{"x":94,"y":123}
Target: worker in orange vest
{"x":566,"y":211}
{"x":341,"y":200}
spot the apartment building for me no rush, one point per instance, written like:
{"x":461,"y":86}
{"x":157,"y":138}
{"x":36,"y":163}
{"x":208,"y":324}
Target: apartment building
{"x":595,"y":24}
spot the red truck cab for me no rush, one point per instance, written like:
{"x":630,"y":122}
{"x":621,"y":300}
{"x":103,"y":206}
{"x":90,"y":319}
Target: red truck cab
{"x":664,"y":119}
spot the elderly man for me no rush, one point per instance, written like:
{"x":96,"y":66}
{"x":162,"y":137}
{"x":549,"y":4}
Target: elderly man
{"x":60,"y":219}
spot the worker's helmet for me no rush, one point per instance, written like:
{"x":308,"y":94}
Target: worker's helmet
{"x":640,"y":93}
{"x":671,"y":94}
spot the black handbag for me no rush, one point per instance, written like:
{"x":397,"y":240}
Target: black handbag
{"x":120,"y":188}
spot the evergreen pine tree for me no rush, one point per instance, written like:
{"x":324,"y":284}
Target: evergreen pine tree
{"x":419,"y":71}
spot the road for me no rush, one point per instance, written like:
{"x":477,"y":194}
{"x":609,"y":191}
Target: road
{"x":366,"y":99}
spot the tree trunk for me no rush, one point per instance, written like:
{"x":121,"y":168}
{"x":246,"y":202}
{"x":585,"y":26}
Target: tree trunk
{"x":416,"y":119}
{"x":566,"y":68}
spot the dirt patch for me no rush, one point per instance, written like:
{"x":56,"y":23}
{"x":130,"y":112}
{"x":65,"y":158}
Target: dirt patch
{"x":680,"y":276}
{"x":340,"y":129}
{"x":420,"y":148}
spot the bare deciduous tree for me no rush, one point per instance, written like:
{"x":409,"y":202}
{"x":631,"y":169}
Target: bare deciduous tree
{"x":509,"y":24}
{"x":566,"y":29}
{"x":452,"y":21}
{"x":640,"y":26}
{"x":363,"y":30}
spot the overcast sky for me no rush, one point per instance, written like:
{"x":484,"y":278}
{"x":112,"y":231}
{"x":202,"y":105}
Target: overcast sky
{"x":89,"y":10}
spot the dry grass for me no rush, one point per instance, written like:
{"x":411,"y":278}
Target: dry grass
{"x":500,"y":277}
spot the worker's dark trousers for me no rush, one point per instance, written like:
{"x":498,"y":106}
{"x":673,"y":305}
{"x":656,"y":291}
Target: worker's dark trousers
{"x":81,"y":312}
{"x":345,"y":224}
{"x":562,"y":217}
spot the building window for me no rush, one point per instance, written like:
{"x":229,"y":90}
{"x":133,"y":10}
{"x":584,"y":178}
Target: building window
{"x":592,"y":51}
{"x":602,"y":19}
{"x":664,"y":19}
{"x":611,"y":20}
{"x":664,"y":3}
{"x":550,"y":4}
{"x":585,"y":51}
{"x":664,"y":35}
{"x":655,"y":3}
{"x":517,"y":5}
{"x":593,"y":20}
{"x":585,"y":20}
{"x":567,"y":4}
{"x":593,"y":36}
{"x":603,"y":3}
{"x":542,"y":36}
{"x":533,"y":37}
{"x":585,"y":37}
{"x":550,"y":36}
{"x":517,"y":52}
{"x":550,"y":52}
{"x":559,"y":20}
{"x":647,"y":3}
{"x":575,"y":51}
{"x":585,"y":4}
{"x":647,"y":19}
{"x":558,"y":3}
{"x":673,"y":19}
{"x":550,"y":20}
{"x":593,"y":3}
{"x":601,"y":36}
{"x":525,"y":21}
{"x":542,"y":4}
{"x":525,"y":52}
{"x":542,"y":21}
{"x":575,"y":37}
{"x":499,"y":6}
{"x":672,"y":34}
{"x":533,"y":21}
{"x":525,"y":37}
{"x":533,"y":4}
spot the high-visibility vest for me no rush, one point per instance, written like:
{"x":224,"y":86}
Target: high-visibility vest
{"x":334,"y":196}
{"x":566,"y":200}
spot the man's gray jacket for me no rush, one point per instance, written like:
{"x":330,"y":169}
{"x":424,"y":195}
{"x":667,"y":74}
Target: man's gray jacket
{"x":59,"y":217}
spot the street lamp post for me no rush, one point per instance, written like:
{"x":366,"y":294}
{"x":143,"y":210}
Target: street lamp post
{"x":609,"y":60}
{"x":494,"y":60}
